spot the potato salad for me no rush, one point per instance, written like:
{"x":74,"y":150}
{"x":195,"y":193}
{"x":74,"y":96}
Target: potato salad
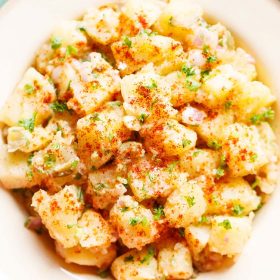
{"x":140,"y":140}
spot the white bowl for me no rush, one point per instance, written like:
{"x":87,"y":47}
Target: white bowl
{"x":24,"y":25}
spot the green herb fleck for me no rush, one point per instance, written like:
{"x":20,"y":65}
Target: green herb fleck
{"x":268,"y":115}
{"x":228,"y":105}
{"x":220,"y":172}
{"x":124,"y":209}
{"x":29,"y":160}
{"x":99,"y":186}
{"x":152,"y":177}
{"x":80,"y":194}
{"x":171,"y":166}
{"x":170,"y":21}
{"x":192,"y":84}
{"x":49,"y":160}
{"x":189,"y":71}
{"x":226,"y":224}
{"x":205,"y":73}
{"x":29,"y":175}
{"x":129,"y":258}
{"x":153,"y":85}
{"x":127,"y":42}
{"x":28,"y":124}
{"x":186,"y":142}
{"x":70,"y":226}
{"x":256,"y":183}
{"x":150,"y":254}
{"x":56,"y":43}
{"x":71,"y":50}
{"x":211,"y":59}
{"x":203,"y":220}
{"x":103,"y":273}
{"x":181,"y":232}
{"x":74,"y":164}
{"x":158,"y":212}
{"x":214,"y":145}
{"x":95,"y":117}
{"x":237,"y":209}
{"x":55,"y":146}
{"x":190,"y":200}
{"x":82,"y":29}
{"x":29,"y":89}
{"x":59,"y":107}
{"x":115,"y":103}
{"x":253,"y":157}
{"x":196,"y":153}
{"x":134,"y":221}
{"x":142,"y":118}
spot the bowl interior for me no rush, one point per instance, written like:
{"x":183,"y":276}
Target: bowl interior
{"x":25,"y":25}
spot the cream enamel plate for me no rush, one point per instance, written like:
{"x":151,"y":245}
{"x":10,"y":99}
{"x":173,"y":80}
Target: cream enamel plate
{"x":25,"y":25}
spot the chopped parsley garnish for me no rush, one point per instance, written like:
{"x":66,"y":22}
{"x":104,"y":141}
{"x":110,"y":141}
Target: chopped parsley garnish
{"x":253,"y":157}
{"x":49,"y":160}
{"x":29,"y":175}
{"x":103,"y":273}
{"x":186,"y":143}
{"x":189,"y":71}
{"x":256,"y":183}
{"x":124,"y":209}
{"x":55,"y":146}
{"x":171,"y":166}
{"x":153,"y":85}
{"x":29,"y":160}
{"x":237,"y":209}
{"x":205,"y":73}
{"x":82,"y":29}
{"x":152,"y":177}
{"x":56,"y":43}
{"x":190,"y":200}
{"x":70,"y":226}
{"x":192,"y":84}
{"x":151,"y":252}
{"x":220,"y":172}
{"x":80,"y":194}
{"x":74,"y":164}
{"x":181,"y":232}
{"x":204,"y":220}
{"x":99,"y":186}
{"x":29,"y":89}
{"x":214,"y":145}
{"x":142,"y":118}
{"x":268,"y":115}
{"x":59,"y":107}
{"x":127,"y":42}
{"x":95,"y":117}
{"x":71,"y":50}
{"x":228,"y":105}
{"x":158,"y":212}
{"x":170,"y":21}
{"x":69,"y":85}
{"x":211,"y":58}
{"x":115,"y":103}
{"x":28,"y":124}
{"x":225,"y":224}
{"x":129,"y":258}
{"x":111,"y":136}
{"x":196,"y":153}
{"x":136,"y":220}
{"x":148,"y":32}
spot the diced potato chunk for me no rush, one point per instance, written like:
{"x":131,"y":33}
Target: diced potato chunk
{"x":251,"y":99}
{"x":102,"y":24}
{"x":20,"y":139}
{"x":100,"y":134}
{"x":211,"y":127}
{"x":234,"y":197}
{"x":147,"y":180}
{"x":219,"y":86}
{"x":58,"y":158}
{"x":229,"y":234}
{"x":241,"y":61}
{"x":60,"y":213}
{"x":243,"y":149}
{"x":88,"y":84}
{"x":93,"y":231}
{"x":134,"y":223}
{"x":174,"y":261}
{"x":178,"y":19}
{"x":142,"y":13}
{"x":14,"y":170}
{"x":67,"y":41}
{"x":200,"y":161}
{"x":28,"y":106}
{"x":105,"y":186}
{"x":133,"y":53}
{"x":168,"y":138}
{"x":136,"y":265}
{"x":98,"y":257}
{"x":147,"y":97}
{"x":186,"y":204}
